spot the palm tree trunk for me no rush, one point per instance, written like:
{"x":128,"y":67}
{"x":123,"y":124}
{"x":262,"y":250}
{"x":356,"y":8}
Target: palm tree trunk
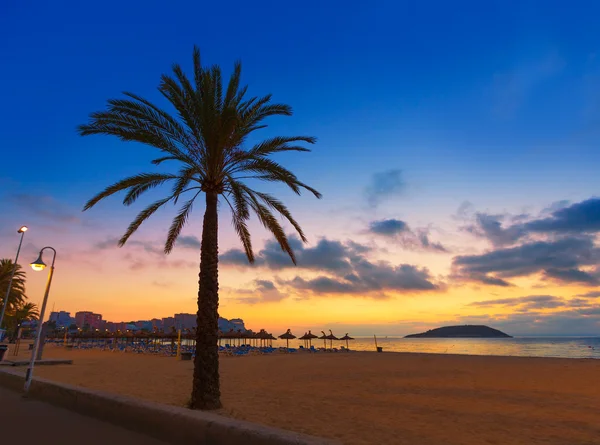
{"x":206,"y":393}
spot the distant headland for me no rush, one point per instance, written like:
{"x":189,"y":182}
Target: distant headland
{"x":466,"y":331}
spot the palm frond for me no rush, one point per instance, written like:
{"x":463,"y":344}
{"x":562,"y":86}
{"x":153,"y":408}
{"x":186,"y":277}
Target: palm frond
{"x":144,"y":181}
{"x":279,"y":207}
{"x":233,"y":86}
{"x":241,"y":228}
{"x":280,"y":144}
{"x":270,"y":223}
{"x":178,"y":223}
{"x":141,"y":217}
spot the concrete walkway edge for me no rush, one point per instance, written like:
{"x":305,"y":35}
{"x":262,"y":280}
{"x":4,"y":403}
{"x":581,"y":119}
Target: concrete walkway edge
{"x":169,"y":423}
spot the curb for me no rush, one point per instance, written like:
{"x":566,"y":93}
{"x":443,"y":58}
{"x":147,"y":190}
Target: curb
{"x":169,"y":423}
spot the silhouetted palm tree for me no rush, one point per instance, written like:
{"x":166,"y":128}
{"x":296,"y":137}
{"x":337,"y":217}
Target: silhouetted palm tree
{"x":17,"y":290}
{"x":208,"y":140}
{"x":23,"y":312}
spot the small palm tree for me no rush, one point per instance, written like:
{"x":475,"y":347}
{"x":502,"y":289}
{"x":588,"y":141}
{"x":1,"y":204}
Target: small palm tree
{"x":23,"y":312}
{"x":17,"y":290}
{"x":208,"y":141}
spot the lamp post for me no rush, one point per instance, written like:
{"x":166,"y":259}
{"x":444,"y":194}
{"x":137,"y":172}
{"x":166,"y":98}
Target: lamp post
{"x":22,"y":231}
{"x":39,"y":265}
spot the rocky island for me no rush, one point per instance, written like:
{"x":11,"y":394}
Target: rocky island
{"x":466,"y":331}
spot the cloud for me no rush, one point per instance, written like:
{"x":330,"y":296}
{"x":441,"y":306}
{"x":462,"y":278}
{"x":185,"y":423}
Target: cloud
{"x":370,"y":280}
{"x":44,"y":207}
{"x":147,"y":246}
{"x":523,"y":303}
{"x":137,"y":258}
{"x":573,"y":276}
{"x":564,"y":219}
{"x":559,"y":260}
{"x":401,"y":232}
{"x":189,"y":242}
{"x":576,"y":218}
{"x":591,"y":294}
{"x":388,"y":227}
{"x":264,"y":291}
{"x":235,"y":257}
{"x":343,"y":268}
{"x":490,"y":227}
{"x":384,"y":185}
{"x":326,"y":255}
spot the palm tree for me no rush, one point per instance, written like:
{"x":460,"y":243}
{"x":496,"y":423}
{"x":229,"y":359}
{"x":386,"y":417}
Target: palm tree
{"x":207,"y":138}
{"x":23,"y":312}
{"x":17,"y":290}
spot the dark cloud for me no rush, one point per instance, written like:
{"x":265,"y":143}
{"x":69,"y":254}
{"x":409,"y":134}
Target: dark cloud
{"x":591,"y":294}
{"x":370,"y":280}
{"x":557,"y":205}
{"x":576,"y":218}
{"x":564,"y":219}
{"x":147,"y":246}
{"x":189,"y":242}
{"x":234,"y":256}
{"x":45,"y":207}
{"x":343,"y":268}
{"x":388,"y":227}
{"x":560,"y":260}
{"x":523,"y":303}
{"x":384,"y":185}
{"x":410,"y":239}
{"x":326,"y":255}
{"x":425,"y":244}
{"x":490,"y":227}
{"x":579,"y":302}
{"x":573,"y":276}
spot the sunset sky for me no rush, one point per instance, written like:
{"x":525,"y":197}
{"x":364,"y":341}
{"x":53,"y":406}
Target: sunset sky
{"x":458,"y":157}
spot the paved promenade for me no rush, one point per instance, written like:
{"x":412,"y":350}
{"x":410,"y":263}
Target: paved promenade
{"x":27,"y":421}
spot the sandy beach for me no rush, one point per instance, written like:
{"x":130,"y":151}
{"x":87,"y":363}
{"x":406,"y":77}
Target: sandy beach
{"x":370,"y":398}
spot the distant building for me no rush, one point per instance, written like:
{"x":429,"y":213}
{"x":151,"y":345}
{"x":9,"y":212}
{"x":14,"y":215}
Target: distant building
{"x":123,"y":327}
{"x":235,"y":324}
{"x":168,"y":323}
{"x":156,"y":323}
{"x":82,"y":318}
{"x":111,"y":327}
{"x":185,"y":321}
{"x":143,"y":325}
{"x":62,"y":319}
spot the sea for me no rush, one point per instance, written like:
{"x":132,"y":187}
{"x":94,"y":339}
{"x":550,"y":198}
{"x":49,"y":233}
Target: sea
{"x":565,"y":347}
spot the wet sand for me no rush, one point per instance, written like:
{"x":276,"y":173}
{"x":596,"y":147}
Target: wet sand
{"x":370,"y":398}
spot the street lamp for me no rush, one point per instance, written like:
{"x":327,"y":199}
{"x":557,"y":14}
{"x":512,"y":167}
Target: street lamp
{"x":38,"y":265}
{"x":22,"y":231}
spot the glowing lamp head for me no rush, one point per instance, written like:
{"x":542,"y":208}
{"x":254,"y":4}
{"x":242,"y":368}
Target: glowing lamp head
{"x":38,"y":264}
{"x":22,"y":229}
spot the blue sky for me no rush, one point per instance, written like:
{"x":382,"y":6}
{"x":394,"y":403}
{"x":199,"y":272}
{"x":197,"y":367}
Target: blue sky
{"x":494,"y":103}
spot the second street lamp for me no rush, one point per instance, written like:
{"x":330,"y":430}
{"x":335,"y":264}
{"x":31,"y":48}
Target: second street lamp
{"x":22,"y":231}
{"x":39,"y":265}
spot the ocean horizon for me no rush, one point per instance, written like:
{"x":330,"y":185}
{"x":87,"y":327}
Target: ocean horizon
{"x":560,"y":346}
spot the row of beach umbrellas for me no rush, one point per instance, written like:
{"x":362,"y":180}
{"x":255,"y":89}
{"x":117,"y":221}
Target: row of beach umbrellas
{"x":309,"y":336}
{"x":261,"y":336}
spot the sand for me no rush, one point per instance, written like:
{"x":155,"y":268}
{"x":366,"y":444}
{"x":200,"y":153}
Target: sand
{"x":370,"y":398}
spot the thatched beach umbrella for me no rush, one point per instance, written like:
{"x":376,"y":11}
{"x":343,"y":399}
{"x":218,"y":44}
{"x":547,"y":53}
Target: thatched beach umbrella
{"x":287,"y":336}
{"x":346,"y":337}
{"x":304,"y":338}
{"x":310,"y":336}
{"x":307,"y":337}
{"x":331,"y":337}
{"x":324,"y":338}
